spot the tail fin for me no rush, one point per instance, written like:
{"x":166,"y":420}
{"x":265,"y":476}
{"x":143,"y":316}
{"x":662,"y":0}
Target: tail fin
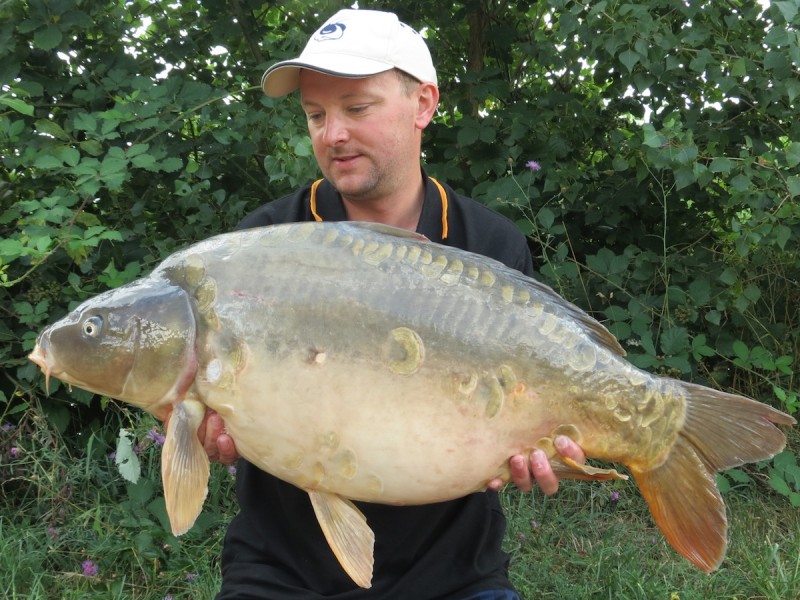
{"x":721,"y":431}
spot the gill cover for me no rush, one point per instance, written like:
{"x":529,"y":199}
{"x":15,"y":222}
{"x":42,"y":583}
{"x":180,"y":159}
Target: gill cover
{"x":134,"y":343}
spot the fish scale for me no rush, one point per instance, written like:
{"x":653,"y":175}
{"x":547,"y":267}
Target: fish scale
{"x":359,"y":358}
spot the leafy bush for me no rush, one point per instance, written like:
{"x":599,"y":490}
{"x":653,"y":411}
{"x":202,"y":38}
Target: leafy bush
{"x":650,"y":151}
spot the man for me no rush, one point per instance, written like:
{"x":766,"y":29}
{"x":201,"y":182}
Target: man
{"x":368,"y":88}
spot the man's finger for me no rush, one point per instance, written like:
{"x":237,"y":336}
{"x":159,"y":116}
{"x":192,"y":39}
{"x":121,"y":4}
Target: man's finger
{"x":543,"y":473}
{"x":568,"y":448}
{"x":227,"y":449}
{"x":520,"y":473}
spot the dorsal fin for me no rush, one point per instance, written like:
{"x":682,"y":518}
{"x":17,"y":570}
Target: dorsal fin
{"x":388,"y":230}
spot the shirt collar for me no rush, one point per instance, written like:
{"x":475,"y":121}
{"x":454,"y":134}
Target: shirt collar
{"x":326,"y":205}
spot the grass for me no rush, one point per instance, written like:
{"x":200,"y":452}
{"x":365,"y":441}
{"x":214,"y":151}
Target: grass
{"x":71,"y":527}
{"x":581,"y":544}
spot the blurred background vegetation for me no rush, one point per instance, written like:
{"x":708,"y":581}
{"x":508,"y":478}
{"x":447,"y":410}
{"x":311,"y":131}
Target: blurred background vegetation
{"x":649,"y":150}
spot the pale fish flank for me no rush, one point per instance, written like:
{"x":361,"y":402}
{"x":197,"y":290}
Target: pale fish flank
{"x":355,"y":361}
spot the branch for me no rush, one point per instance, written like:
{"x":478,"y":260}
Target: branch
{"x":247,"y":30}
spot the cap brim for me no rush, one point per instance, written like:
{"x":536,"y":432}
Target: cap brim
{"x":284,"y":77}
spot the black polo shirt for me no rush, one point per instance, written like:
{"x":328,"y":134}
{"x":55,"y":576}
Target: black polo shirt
{"x":274,"y":548}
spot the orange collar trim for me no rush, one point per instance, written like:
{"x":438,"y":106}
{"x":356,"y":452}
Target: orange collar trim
{"x":442,"y":195}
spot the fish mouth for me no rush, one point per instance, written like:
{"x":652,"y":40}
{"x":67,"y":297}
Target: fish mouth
{"x":39,"y":357}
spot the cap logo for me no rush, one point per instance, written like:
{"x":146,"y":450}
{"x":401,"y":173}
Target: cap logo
{"x":331,"y":31}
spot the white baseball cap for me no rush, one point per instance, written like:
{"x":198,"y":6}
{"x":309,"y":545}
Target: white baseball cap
{"x":355,"y":43}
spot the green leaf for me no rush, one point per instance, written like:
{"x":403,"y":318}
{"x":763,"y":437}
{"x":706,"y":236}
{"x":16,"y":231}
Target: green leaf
{"x":617,"y":313}
{"x":752,"y":293}
{"x":788,"y":9}
{"x":137,"y":149}
{"x":11,"y":249}
{"x":629,"y":58}
{"x":738,"y":476}
{"x":144,"y":161}
{"x":739,"y":68}
{"x":778,"y":484}
{"x":700,"y":291}
{"x":782,"y":235}
{"x":721,"y":164}
{"x":85,"y":122}
{"x":793,"y":154}
{"x":467,"y":136}
{"x":47,"y":38}
{"x":488,"y":134}
{"x":741,"y":350}
{"x":793,"y":185}
{"x":140,"y":492}
{"x":741,"y":183}
{"x":126,"y":460}
{"x":70,"y":156}
{"x":684,"y":177}
{"x":729,"y":277}
{"x":620,"y":163}
{"x":784,"y":459}
{"x":92,"y":147}
{"x":47,"y":161}
{"x":651,"y":137}
{"x":17,"y":104}
{"x":170,"y":165}
{"x":546,"y":217}
{"x":674,"y":340}
{"x":700,"y":348}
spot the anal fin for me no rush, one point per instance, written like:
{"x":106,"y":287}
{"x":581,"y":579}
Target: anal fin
{"x":566,"y":468}
{"x":184,"y":466}
{"x":348,"y":534}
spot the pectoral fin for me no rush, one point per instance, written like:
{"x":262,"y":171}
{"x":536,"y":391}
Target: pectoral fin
{"x":567,"y":468}
{"x":348,"y":535}
{"x":184,"y":466}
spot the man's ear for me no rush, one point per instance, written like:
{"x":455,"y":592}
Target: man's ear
{"x":427,"y":100}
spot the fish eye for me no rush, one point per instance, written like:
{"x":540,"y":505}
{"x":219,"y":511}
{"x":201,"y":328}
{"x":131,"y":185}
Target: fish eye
{"x":92,"y":326}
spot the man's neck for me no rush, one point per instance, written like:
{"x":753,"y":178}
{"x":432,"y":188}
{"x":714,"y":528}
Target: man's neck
{"x":402,"y":209}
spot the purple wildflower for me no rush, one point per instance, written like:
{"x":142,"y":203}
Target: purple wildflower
{"x":52,"y":532}
{"x":534,"y":524}
{"x":521,"y":537}
{"x":14,"y":452}
{"x":137,"y":448}
{"x":232,"y":469}
{"x":7,"y":428}
{"x":533,"y":166}
{"x":168,"y":597}
{"x":191,"y":576}
{"x":157,"y":437}
{"x":614,"y":496}
{"x":89,"y":568}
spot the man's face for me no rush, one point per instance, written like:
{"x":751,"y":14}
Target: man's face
{"x":365,"y":132}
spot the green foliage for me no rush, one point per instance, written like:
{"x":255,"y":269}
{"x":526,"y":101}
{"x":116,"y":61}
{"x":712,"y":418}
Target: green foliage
{"x":664,"y":198}
{"x":599,"y":542}
{"x":70,"y":527}
{"x":664,"y":195}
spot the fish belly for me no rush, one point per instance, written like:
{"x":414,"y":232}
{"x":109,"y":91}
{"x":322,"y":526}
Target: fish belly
{"x":385,"y":369}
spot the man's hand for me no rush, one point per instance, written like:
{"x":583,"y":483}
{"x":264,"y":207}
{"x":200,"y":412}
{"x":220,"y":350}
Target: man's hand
{"x":217,"y":443}
{"x":537,"y":469}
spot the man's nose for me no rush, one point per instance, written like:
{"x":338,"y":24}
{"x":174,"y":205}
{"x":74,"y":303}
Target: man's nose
{"x":336,"y":131}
